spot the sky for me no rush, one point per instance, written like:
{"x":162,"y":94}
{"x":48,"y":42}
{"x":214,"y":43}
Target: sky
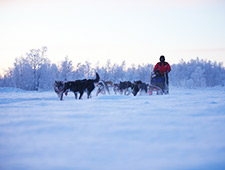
{"x":134,"y":31}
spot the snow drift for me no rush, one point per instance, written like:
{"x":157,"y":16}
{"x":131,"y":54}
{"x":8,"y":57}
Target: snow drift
{"x":183,"y":130}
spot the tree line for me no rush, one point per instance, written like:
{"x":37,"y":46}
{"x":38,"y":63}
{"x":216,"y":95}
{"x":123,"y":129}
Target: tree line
{"x":36,"y":72}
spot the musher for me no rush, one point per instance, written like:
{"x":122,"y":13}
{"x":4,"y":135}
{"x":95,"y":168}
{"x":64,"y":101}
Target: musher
{"x":164,"y":68}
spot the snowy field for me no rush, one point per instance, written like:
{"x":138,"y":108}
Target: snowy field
{"x":181,"y":131}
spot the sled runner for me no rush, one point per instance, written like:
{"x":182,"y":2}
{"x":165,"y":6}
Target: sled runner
{"x":158,"y":84}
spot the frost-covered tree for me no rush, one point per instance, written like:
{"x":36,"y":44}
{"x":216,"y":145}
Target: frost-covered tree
{"x":29,"y":70}
{"x":36,"y":59}
{"x":106,"y":71}
{"x":49,"y":74}
{"x":144,"y":72}
{"x":35,"y":72}
{"x":22,"y":74}
{"x":66,"y":69}
{"x":80,"y":71}
{"x":198,"y":77}
{"x":197,"y":73}
{"x":119,"y":72}
{"x":88,"y":70}
{"x":132,"y":73}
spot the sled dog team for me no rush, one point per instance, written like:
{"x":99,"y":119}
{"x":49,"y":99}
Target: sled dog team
{"x":102,"y":87}
{"x":159,"y":84}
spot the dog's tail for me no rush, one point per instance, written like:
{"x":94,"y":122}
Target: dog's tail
{"x":97,"y":78}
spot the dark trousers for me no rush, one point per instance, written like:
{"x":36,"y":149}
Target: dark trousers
{"x":167,"y":79}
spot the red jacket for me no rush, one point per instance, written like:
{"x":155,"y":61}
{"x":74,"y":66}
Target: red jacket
{"x":162,"y":67}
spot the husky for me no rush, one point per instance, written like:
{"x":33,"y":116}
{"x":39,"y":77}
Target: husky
{"x":103,"y":86}
{"x":80,"y":86}
{"x":126,"y":87}
{"x":59,"y":87}
{"x":139,"y":86}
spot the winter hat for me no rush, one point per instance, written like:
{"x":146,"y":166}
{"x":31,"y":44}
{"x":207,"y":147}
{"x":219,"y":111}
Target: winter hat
{"x":162,"y":58}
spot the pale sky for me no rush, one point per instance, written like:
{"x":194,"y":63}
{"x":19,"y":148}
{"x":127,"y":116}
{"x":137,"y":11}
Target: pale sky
{"x":137,"y":31}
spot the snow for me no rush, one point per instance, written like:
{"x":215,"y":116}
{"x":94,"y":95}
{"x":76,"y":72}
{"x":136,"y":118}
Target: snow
{"x":183,"y":130}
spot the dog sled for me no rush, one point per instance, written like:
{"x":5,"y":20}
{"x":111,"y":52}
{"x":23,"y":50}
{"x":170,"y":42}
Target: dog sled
{"x":158,"y":84}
